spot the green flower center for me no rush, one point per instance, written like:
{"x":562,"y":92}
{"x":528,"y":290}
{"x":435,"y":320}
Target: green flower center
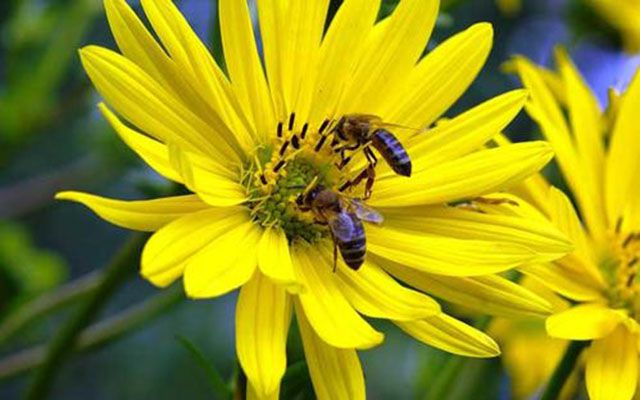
{"x":281,"y":171}
{"x":621,"y":267}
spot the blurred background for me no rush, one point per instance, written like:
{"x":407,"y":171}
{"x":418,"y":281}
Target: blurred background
{"x":148,"y":344}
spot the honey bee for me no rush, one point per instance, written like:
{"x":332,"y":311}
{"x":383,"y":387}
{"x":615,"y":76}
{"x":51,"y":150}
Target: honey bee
{"x":362,"y":130}
{"x":344,"y":217}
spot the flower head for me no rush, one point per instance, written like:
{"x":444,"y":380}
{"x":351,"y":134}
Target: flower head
{"x":598,"y":154}
{"x":251,"y":143}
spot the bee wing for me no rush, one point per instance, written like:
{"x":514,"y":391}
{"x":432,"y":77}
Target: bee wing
{"x":393,"y":127}
{"x":374,"y":119}
{"x":342,"y":226}
{"x":366,"y":213}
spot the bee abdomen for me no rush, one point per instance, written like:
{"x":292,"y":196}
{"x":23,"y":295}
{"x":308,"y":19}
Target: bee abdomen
{"x":392,"y":151}
{"x":353,"y":251}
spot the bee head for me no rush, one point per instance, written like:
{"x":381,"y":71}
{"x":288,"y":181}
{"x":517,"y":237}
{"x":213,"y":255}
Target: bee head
{"x":310,"y":195}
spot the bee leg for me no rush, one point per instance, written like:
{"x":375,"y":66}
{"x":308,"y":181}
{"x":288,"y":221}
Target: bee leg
{"x":371,"y":177}
{"x":335,"y":254}
{"x":345,"y":186}
{"x":496,"y":202}
{"x":335,"y":251}
{"x":371,"y":157}
{"x":343,"y":160}
{"x":355,"y":146}
{"x":355,"y":181}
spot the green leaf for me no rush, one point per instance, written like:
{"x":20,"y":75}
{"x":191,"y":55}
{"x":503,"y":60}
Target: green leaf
{"x":26,"y":270}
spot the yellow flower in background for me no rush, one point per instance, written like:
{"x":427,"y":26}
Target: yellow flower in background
{"x":623,"y":15}
{"x":529,"y":355}
{"x":599,"y":156}
{"x":247,"y":140}
{"x":509,"y":8}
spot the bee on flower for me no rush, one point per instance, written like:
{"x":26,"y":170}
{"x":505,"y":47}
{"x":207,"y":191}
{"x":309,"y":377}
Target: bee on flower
{"x":597,"y":153}
{"x":257,"y":145}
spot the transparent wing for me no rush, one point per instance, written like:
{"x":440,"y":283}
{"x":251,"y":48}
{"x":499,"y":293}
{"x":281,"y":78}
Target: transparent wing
{"x":392,"y":127}
{"x":365,"y":213}
{"x":342,"y":226}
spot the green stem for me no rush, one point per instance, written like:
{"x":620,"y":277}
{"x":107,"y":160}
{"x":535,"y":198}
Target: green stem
{"x":218,"y":385}
{"x":446,"y":378}
{"x":563,"y":370}
{"x":98,"y":334}
{"x":48,"y":303}
{"x":239,"y":386}
{"x":122,"y":266}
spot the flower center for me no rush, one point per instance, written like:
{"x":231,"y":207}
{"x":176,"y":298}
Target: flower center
{"x":623,"y":263}
{"x":294,"y":161}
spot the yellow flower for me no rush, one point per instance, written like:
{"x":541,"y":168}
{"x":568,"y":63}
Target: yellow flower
{"x":623,"y":15}
{"x":529,"y":355}
{"x":246,"y":141}
{"x":599,"y":156}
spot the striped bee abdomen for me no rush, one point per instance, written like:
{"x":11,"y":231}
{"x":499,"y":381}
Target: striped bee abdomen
{"x":392,"y":151}
{"x":353,"y":250}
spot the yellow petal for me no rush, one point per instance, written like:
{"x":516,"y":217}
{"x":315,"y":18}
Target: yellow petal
{"x":252,"y":394}
{"x":449,"y":334}
{"x":212,"y":186}
{"x":151,"y":151}
{"x":390,"y":53}
{"x":440,"y":78}
{"x":534,"y":190}
{"x":291,"y":31}
{"x":584,"y":322}
{"x":273,"y":25}
{"x":585,"y":118}
{"x":564,"y":216}
{"x":622,"y":162}
{"x":443,"y":255}
{"x":338,"y":54}
{"x":202,"y":74}
{"x":488,"y":294}
{"x":612,"y":366}
{"x":274,"y":259}
{"x":328,"y":311}
{"x":225,"y":264}
{"x":141,"y":215}
{"x":144,"y":102}
{"x":473,"y":175}
{"x":217,"y":186}
{"x":244,"y":66}
{"x":564,"y":281}
{"x":263,"y":315}
{"x":544,"y":108}
{"x":466,"y":132}
{"x":138,"y":45}
{"x":166,"y":253}
{"x":538,"y":235}
{"x":335,"y":373}
{"x":374,"y":293}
